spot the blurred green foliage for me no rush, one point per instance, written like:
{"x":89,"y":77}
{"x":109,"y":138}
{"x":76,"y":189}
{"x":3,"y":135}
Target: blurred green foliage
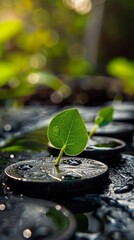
{"x":40,"y":39}
{"x":43,"y":41}
{"x":123,"y":69}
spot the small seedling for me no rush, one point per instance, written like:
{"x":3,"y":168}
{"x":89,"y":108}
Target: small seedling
{"x":67,"y":132}
{"x":104,"y":117}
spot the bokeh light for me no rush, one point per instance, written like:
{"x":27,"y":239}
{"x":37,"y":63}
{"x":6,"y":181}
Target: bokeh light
{"x":57,"y":37}
{"x":80,"y":6}
{"x":27,"y":233}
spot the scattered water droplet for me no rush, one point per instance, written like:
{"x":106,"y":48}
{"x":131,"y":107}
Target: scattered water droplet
{"x":25,"y":167}
{"x":7,"y":127}
{"x":71,"y":161}
{"x":27,"y":233}
{"x":2,"y":207}
{"x":40,"y":232}
{"x":58,"y":207}
{"x":71,"y":177}
{"x":124,"y":189}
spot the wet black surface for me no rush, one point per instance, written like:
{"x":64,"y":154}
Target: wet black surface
{"x":106,"y":214}
{"x":34,"y":219}
{"x":120,"y":115}
{"x":120,"y":130}
{"x":15,"y":122}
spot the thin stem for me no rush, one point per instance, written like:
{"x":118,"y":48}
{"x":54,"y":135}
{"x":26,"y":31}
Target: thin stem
{"x":58,"y":172}
{"x":93,"y":130}
{"x":57,"y":169}
{"x":60,"y":156}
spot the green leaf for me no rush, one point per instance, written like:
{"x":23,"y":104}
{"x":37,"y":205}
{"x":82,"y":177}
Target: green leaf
{"x":67,"y":130}
{"x":9,"y":29}
{"x":104,"y":117}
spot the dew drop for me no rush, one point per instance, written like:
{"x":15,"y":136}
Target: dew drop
{"x":25,"y":167}
{"x":40,"y":232}
{"x":56,"y":130}
{"x":124,"y":189}
{"x":2,"y":207}
{"x":72,"y":161}
{"x":7,"y":127}
{"x":71,"y":177}
{"x":58,"y":207}
{"x":27,"y":233}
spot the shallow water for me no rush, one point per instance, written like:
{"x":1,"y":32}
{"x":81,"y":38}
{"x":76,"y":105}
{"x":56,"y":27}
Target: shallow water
{"x":104,"y":145}
{"x":107,"y":214}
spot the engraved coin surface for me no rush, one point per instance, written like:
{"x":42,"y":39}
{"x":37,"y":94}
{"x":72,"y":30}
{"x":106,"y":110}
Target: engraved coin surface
{"x":73,"y":175}
{"x":44,"y":170}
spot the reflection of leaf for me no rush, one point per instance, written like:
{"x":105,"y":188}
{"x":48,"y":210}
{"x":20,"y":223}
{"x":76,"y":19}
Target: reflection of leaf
{"x":67,"y":130}
{"x":33,"y":140}
{"x":23,"y":145}
{"x":82,"y":222}
{"x":58,"y":217}
{"x":104,"y":117}
{"x":9,"y":29}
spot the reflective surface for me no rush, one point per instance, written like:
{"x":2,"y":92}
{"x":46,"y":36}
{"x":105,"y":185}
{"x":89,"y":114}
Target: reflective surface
{"x":123,"y":131}
{"x":105,"y":214}
{"x":34,"y":220}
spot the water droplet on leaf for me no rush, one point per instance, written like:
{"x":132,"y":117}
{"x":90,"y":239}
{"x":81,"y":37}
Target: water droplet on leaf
{"x":56,"y":130}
